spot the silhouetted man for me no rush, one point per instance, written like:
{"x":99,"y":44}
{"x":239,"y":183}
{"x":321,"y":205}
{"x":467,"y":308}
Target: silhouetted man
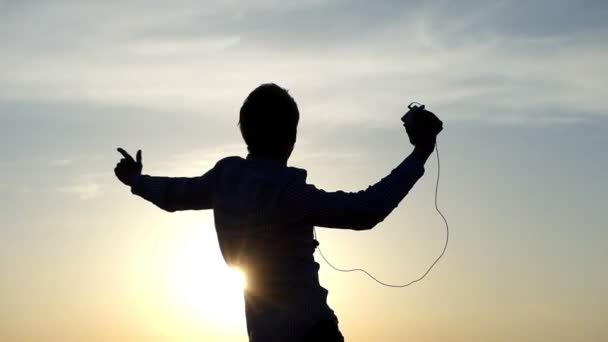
{"x":265,"y":212}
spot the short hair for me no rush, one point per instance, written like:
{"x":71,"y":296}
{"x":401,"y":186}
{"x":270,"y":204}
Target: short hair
{"x":269,"y":119}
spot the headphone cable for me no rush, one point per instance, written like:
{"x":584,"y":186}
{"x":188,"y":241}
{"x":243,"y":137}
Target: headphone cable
{"x":447,"y":239}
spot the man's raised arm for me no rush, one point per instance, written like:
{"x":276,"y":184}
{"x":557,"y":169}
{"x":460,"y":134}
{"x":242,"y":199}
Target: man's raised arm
{"x":364,"y":209}
{"x":353,"y":210}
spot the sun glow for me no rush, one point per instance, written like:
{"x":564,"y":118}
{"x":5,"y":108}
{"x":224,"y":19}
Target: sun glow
{"x":203,"y":286}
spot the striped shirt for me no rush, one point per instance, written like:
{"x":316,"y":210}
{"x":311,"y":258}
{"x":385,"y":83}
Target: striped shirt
{"x":264,"y":215}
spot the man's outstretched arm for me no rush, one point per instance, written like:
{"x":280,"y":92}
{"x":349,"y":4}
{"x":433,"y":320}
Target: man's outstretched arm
{"x":168,"y":193}
{"x":354,"y":210}
{"x":364,"y":209}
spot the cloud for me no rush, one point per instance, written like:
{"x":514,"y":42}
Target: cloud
{"x":86,"y":185}
{"x":84,"y":191}
{"x":61,"y":162}
{"x":345,"y":61}
{"x":195,"y":162}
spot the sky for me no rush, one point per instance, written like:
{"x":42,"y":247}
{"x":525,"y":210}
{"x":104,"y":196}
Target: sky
{"x":520,"y":86}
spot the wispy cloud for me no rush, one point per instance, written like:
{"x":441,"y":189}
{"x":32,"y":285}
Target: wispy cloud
{"x":196,"y":161}
{"x":497,"y":61}
{"x":84,"y":191}
{"x":84,"y":184}
{"x":61,"y":162}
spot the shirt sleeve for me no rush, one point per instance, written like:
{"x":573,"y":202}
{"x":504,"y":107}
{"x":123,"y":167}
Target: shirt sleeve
{"x":178,"y":193}
{"x":360,"y":210}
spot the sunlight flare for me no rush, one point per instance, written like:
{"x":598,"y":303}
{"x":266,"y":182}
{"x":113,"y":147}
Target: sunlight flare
{"x":204,"y":287}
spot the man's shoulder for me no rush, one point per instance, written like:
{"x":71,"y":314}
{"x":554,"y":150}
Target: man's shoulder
{"x":228,"y":160}
{"x":298,"y":173}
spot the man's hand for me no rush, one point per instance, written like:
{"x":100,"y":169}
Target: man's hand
{"x":128,"y":169}
{"x":422,"y":127}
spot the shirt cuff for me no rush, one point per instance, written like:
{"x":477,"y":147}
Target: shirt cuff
{"x":136,"y":185}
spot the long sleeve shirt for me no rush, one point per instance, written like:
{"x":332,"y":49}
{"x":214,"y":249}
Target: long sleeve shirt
{"x":264,"y":215}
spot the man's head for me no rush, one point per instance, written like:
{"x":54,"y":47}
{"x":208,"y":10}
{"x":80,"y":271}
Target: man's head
{"x":269,"y":121}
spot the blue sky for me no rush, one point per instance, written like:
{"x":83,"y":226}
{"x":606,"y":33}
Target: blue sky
{"x":520,"y":86}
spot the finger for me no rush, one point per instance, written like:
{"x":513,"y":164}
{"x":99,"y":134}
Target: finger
{"x":431,"y":118}
{"x":428,"y":113}
{"x":125,"y":154}
{"x":138,"y":156}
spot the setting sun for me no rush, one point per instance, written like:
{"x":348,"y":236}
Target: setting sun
{"x":202,"y":285}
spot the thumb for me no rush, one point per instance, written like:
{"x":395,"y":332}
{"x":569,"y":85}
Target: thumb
{"x":138,"y":157}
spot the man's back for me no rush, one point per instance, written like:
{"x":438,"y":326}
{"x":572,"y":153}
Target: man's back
{"x":283,"y":298}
